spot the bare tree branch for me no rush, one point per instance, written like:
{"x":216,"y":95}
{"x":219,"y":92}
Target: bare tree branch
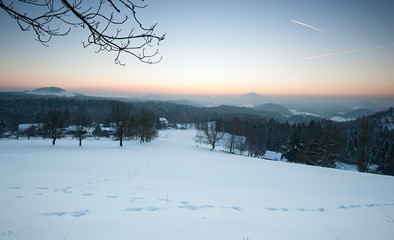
{"x":112,"y":25}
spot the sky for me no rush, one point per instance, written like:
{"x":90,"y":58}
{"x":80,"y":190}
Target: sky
{"x":277,"y":47}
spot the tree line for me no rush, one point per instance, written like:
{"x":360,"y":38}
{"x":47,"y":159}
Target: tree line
{"x":367,"y":142}
{"x":124,"y":123}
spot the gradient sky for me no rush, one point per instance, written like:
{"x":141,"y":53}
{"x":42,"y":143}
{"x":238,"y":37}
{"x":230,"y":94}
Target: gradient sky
{"x":277,"y":47}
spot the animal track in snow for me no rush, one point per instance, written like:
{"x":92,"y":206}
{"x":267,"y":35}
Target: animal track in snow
{"x":139,"y":209}
{"x":8,"y":233}
{"x":187,"y":205}
{"x":349,"y":206}
{"x":233,"y":208}
{"x":273,"y":209}
{"x":72,"y":214}
{"x":312,"y":210}
{"x":277,"y":209}
{"x":112,"y":196}
{"x":370,"y":205}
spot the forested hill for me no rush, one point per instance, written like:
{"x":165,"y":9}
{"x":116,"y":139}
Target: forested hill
{"x":310,"y":140}
{"x":16,"y":108}
{"x":19,"y":107}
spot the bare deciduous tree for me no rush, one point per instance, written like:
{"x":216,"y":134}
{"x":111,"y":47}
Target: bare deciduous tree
{"x":112,"y":25}
{"x":120,"y":117}
{"x":81,"y":121}
{"x":145,"y":121}
{"x":209,"y":133}
{"x":54,"y":122}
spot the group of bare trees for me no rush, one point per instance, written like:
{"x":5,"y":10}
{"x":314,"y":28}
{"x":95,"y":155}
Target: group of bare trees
{"x":124,"y":124}
{"x":110,"y":25}
{"x":142,"y":125}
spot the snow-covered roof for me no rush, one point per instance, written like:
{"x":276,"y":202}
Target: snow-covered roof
{"x":162,"y":119}
{"x":24,"y":126}
{"x":373,"y":167}
{"x":277,"y":156}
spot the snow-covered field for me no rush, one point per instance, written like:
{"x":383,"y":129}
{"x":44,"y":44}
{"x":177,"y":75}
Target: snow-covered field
{"x":170,"y":189}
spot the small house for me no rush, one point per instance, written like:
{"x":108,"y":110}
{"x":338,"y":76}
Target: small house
{"x":271,"y":155}
{"x":163,"y":123}
{"x":26,"y":126}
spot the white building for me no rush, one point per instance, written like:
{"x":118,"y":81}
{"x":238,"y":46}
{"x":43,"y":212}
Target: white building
{"x":25,"y":126}
{"x":270,"y":155}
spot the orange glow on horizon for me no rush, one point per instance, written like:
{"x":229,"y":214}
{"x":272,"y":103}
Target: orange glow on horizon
{"x":214,"y":88}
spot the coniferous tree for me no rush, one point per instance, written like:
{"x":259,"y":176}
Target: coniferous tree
{"x":313,"y":148}
{"x":327,"y":151}
{"x":312,"y":152}
{"x":3,"y":127}
{"x":351,"y":148}
{"x":293,"y":149}
{"x":364,"y":142}
{"x":389,"y":168}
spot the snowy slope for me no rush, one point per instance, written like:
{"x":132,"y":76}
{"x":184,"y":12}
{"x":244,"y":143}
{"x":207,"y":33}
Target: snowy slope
{"x":172,"y":189}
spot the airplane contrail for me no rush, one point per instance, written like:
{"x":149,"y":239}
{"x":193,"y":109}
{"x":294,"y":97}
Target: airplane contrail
{"x":350,"y":51}
{"x":308,"y":26}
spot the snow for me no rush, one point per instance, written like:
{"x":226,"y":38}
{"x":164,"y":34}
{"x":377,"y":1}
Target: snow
{"x":172,"y":189}
{"x":341,"y":119}
{"x":295,"y":112}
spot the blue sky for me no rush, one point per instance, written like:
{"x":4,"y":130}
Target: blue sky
{"x":223,"y":47}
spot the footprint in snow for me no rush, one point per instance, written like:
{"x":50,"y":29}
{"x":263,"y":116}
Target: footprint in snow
{"x":371,"y":205}
{"x":112,"y":196}
{"x":187,"y":205}
{"x":72,"y":214}
{"x":164,"y":200}
{"x":62,"y":190}
{"x":312,"y":210}
{"x":277,"y":209}
{"x":137,"y":198}
{"x":139,"y":209}
{"x":233,"y":208}
{"x":348,"y":206}
{"x":8,"y":233}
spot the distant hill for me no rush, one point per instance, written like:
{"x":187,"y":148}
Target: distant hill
{"x":272,"y":107}
{"x":247,"y":100}
{"x":296,"y":119}
{"x":383,"y":119}
{"x":358,"y":113}
{"x":226,"y":109}
{"x":151,"y":97}
{"x":53,"y":91}
{"x":49,"y":90}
